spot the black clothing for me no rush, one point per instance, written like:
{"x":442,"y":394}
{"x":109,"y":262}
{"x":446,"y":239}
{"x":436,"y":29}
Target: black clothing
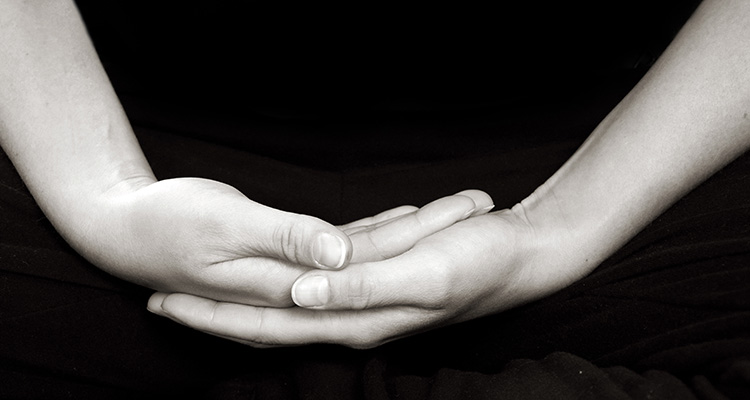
{"x":668,"y":313}
{"x":667,"y":316}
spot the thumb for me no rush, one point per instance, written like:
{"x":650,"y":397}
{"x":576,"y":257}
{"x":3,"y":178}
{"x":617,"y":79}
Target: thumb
{"x":307,"y":241}
{"x":369,"y":285}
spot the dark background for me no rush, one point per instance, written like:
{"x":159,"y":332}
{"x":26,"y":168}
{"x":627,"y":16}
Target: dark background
{"x":355,"y":86}
{"x":319,"y":111}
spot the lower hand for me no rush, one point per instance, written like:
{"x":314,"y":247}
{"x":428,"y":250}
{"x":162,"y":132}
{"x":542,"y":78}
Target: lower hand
{"x":476,"y":267}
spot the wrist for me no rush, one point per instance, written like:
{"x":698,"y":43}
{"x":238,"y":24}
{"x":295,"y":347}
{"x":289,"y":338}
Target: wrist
{"x":98,"y":226}
{"x":559,"y":249}
{"x":128,"y":185}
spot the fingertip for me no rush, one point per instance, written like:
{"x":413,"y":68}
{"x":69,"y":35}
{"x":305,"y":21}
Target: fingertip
{"x":305,"y":241}
{"x":186,"y":309}
{"x":331,"y":251}
{"x":449,"y":205}
{"x":482,"y":201}
{"x":484,"y":210}
{"x":470,"y":206}
{"x":311,"y":291}
{"x":155,"y":302}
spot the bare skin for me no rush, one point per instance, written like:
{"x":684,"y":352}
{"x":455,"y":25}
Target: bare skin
{"x":65,"y":131}
{"x":685,"y":120}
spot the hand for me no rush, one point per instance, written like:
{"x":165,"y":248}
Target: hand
{"x":205,"y":238}
{"x":476,"y":267}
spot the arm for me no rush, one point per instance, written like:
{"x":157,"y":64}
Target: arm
{"x":63,"y":127}
{"x":686,"y":119}
{"x":65,"y":131}
{"x":61,"y":123}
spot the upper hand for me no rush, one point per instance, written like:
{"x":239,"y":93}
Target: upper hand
{"x":203,"y":237}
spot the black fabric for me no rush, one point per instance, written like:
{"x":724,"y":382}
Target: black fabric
{"x":667,"y":315}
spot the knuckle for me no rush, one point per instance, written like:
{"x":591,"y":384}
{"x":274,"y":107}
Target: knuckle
{"x":420,"y":219}
{"x":260,"y":336}
{"x":359,"y":290}
{"x":286,"y":236}
{"x":212,"y":315}
{"x":376,"y":248}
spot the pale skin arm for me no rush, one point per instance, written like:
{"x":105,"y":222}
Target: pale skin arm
{"x":65,"y":131}
{"x":686,"y":119}
{"x":61,"y":123}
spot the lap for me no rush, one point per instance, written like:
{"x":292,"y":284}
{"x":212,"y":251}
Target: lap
{"x":674,"y":298}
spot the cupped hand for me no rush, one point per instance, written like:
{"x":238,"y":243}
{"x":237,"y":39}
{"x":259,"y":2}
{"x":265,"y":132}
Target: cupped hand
{"x":476,"y":267}
{"x":205,"y":238}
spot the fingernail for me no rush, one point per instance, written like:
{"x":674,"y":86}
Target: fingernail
{"x":488,"y":208}
{"x":329,"y":251}
{"x":468,"y":213}
{"x":155,"y":302}
{"x":311,"y":291}
{"x":160,"y":312}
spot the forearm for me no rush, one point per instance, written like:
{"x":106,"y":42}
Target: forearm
{"x":60,"y":120}
{"x":686,"y":119}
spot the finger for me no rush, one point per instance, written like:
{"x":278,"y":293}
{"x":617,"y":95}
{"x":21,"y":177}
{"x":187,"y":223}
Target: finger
{"x":383,"y":216}
{"x":154,"y":303}
{"x":271,"y":327}
{"x":393,"y":237}
{"x":258,"y":281}
{"x":411,"y":279}
{"x":483,"y":202}
{"x":154,"y":306}
{"x":299,"y":239}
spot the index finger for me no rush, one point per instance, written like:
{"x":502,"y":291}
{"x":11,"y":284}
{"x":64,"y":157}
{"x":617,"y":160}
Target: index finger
{"x":379,"y":218}
{"x":393,"y":237}
{"x":267,"y":327}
